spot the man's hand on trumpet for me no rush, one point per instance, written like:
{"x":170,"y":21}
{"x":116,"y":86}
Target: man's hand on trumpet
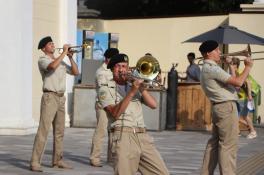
{"x":66,"y":48}
{"x":70,"y":53}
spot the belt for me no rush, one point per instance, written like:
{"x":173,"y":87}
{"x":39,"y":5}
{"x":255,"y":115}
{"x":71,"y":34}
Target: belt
{"x":55,"y":93}
{"x":129,"y":129}
{"x":220,"y":102}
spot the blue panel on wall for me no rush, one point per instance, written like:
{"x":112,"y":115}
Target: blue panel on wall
{"x":100,"y":45}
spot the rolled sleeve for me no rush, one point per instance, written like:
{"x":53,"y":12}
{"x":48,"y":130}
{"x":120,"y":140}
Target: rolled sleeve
{"x":44,"y":62}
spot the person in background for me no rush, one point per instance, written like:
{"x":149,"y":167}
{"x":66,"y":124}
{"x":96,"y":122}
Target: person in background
{"x":244,"y":96}
{"x":219,"y":87}
{"x":193,"y":70}
{"x":52,"y":109}
{"x":102,"y":77}
{"x":133,"y":149}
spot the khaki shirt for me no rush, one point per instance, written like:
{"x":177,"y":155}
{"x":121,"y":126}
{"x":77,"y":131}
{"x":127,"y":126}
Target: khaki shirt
{"x":53,"y":80}
{"x":113,"y":94}
{"x":103,"y":75}
{"x":213,"y":82}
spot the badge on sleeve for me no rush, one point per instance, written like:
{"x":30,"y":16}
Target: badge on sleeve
{"x":102,"y":95}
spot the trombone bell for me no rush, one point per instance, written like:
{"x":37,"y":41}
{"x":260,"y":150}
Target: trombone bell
{"x":147,"y":68}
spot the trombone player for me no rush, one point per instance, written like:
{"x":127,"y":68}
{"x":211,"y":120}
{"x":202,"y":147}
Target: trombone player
{"x":132,"y":148}
{"x":219,"y":87}
{"x":53,"y":71}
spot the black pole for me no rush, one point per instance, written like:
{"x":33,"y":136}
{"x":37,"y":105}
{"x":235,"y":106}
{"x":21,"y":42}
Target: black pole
{"x":172,"y":99}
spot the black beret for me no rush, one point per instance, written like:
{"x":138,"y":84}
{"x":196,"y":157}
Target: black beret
{"x":44,"y":41}
{"x":208,"y":46}
{"x":111,"y":52}
{"x":118,"y":58}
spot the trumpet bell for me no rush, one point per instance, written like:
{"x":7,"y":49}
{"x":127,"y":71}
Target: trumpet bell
{"x":147,"y":68}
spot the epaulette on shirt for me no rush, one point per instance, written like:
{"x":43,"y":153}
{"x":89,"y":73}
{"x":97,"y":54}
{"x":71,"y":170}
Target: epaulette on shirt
{"x":102,"y":95}
{"x":110,"y":84}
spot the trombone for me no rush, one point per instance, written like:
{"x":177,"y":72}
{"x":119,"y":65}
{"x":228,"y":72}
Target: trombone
{"x":246,"y":53}
{"x":74,"y":49}
{"x":147,"y":68}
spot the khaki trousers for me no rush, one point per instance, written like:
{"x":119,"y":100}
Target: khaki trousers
{"x":52,"y":111}
{"x":134,"y":152}
{"x":222,"y":146}
{"x":99,"y":134}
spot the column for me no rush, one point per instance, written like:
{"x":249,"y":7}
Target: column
{"x":16,"y":68}
{"x":68,"y":32}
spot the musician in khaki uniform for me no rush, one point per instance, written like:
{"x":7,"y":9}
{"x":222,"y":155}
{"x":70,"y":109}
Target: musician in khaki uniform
{"x":53,"y":71}
{"x":102,"y":77}
{"x":133,"y":149}
{"x":219,"y":87}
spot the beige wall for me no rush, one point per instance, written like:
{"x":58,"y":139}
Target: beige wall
{"x":162,"y":37}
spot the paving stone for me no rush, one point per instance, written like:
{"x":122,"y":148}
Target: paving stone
{"x":182,"y":152}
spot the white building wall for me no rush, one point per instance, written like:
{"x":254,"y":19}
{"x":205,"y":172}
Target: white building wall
{"x":16,"y":67}
{"x":68,"y":34}
{"x":24,"y":24}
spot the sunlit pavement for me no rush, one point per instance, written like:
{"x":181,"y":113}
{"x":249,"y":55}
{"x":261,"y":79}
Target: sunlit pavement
{"x":182,"y":152}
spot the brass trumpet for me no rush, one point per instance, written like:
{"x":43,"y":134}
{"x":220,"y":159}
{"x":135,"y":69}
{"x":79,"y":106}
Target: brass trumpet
{"x":74,"y":49}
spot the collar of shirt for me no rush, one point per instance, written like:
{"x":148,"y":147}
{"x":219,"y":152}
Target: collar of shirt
{"x":105,"y":66}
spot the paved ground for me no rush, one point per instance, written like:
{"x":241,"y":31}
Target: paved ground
{"x":182,"y":152}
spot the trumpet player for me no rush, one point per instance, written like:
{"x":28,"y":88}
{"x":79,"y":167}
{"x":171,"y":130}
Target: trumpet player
{"x":53,"y":71}
{"x":219,"y":87}
{"x":132,"y":148}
